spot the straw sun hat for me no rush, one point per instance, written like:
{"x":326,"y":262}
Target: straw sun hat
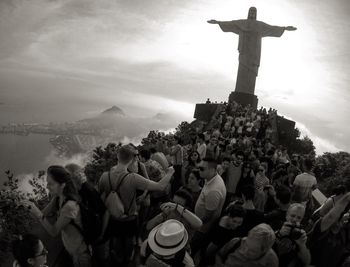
{"x":168,"y":238}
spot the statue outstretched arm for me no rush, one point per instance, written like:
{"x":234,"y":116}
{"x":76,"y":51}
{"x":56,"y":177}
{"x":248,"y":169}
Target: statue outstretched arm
{"x":229,"y":26}
{"x":213,"y":21}
{"x":267,"y":30}
{"x":290,"y":28}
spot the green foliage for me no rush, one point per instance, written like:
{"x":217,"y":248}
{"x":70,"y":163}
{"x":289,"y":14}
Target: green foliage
{"x":186,"y":131}
{"x":152,"y":138}
{"x":332,"y":169}
{"x":305,"y":146}
{"x":14,"y":218}
{"x":102,"y":160}
{"x":183,"y":128}
{"x":302,"y":146}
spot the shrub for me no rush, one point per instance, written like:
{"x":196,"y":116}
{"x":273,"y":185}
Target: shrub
{"x":14,"y":218}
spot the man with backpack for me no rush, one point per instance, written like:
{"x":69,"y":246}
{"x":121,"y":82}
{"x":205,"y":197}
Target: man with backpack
{"x":120,"y":186}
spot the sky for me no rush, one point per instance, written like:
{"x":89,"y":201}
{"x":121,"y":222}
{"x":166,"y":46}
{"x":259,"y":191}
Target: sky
{"x":65,"y":60}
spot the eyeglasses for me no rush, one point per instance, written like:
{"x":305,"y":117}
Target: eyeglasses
{"x":43,"y":253}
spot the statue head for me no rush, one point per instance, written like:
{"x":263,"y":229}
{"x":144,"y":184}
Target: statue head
{"x":252,"y":13}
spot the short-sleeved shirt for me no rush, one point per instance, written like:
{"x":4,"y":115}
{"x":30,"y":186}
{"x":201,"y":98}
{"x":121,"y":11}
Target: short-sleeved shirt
{"x":72,"y":239}
{"x":127,"y":190}
{"x":303,"y":185}
{"x":238,"y":259}
{"x":212,"y":198}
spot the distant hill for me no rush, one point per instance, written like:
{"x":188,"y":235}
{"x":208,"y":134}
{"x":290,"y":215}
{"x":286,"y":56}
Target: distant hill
{"x":113,"y":111}
{"x":164,"y":116}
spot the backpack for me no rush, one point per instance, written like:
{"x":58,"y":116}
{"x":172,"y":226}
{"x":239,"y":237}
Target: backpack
{"x":113,"y":201}
{"x":91,"y":222}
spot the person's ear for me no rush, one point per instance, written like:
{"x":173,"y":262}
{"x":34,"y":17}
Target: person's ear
{"x":31,"y":261}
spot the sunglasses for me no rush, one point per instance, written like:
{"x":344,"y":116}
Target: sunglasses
{"x":201,"y":169}
{"x":43,"y":253}
{"x":261,"y":170}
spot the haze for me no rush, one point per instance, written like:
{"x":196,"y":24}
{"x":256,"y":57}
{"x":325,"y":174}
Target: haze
{"x":65,"y":60}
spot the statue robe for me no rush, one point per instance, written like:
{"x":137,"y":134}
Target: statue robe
{"x":250,"y":33}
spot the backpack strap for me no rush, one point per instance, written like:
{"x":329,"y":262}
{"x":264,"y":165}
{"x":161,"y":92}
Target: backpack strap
{"x":121,"y":181}
{"x":233,"y":249}
{"x":132,"y":200}
{"x":118,"y":186}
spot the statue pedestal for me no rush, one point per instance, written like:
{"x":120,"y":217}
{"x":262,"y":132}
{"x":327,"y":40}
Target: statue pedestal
{"x":244,"y":99}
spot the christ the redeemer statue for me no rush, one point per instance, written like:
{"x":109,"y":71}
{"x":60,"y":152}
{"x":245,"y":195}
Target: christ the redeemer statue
{"x":250,"y":32}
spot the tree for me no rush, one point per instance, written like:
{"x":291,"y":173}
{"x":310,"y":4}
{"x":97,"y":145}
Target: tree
{"x":103,"y":159}
{"x":302,"y":146}
{"x":15,"y":219}
{"x":186,"y":132}
{"x":183,"y":128}
{"x":152,"y":138}
{"x":331,"y":170}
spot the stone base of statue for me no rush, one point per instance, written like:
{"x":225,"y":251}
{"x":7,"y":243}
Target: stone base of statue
{"x":244,"y":99}
{"x":205,"y":112}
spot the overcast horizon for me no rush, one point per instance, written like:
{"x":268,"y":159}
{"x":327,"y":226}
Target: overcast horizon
{"x":65,"y":60}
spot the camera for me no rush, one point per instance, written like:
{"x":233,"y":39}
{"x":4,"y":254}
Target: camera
{"x":295,"y":232}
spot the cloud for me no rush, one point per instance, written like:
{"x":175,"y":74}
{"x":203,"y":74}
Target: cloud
{"x":54,"y":159}
{"x":51,"y":159}
{"x":321,"y":145}
{"x":62,"y":59}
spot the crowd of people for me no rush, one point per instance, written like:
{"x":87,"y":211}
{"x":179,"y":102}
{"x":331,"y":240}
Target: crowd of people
{"x":228,"y":196}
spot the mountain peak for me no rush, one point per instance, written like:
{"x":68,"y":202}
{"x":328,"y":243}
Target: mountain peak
{"x":114,"y":110}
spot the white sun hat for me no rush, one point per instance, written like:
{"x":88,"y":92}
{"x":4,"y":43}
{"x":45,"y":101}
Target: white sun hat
{"x":168,"y":238}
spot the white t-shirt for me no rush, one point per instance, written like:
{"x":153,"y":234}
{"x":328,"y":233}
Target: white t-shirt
{"x":212,"y":198}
